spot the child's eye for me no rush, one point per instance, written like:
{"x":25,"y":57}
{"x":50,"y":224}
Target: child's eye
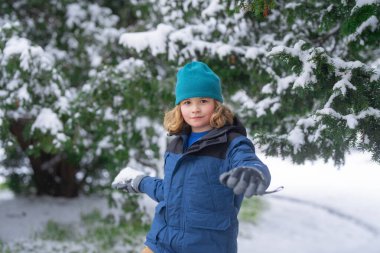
{"x":203,"y":101}
{"x":187,"y":102}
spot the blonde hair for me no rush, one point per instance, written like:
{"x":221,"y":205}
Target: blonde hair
{"x":174,"y":122}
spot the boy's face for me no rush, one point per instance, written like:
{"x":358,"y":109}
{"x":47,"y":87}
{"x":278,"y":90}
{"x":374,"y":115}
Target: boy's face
{"x":197,"y":113}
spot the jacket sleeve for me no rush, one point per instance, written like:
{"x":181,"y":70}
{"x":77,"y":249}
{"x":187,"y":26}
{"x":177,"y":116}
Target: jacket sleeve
{"x":242,"y":154}
{"x":153,"y":187}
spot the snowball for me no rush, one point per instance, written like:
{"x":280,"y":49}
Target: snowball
{"x":125,"y":175}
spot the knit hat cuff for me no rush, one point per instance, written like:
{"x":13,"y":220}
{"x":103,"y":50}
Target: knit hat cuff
{"x":179,"y":99}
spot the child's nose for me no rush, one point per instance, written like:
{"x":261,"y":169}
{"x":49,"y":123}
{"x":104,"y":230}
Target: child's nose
{"x":196,"y":108}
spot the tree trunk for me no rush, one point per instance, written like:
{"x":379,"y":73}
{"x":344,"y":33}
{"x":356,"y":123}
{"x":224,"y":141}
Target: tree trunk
{"x":55,"y":180}
{"x":53,"y":175}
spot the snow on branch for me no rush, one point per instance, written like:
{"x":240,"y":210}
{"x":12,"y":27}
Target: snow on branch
{"x":183,"y":41}
{"x":212,"y":9}
{"x":254,"y":51}
{"x":47,"y":121}
{"x":213,"y":48}
{"x":371,"y":23}
{"x":343,"y":69}
{"x":130,"y":67}
{"x":78,"y":15}
{"x":344,"y":83}
{"x":351,"y":119}
{"x":296,"y":138}
{"x":28,"y":55}
{"x":259,"y":107}
{"x":305,"y":56}
{"x":154,"y":40}
{"x":360,"y":3}
{"x":29,"y":77}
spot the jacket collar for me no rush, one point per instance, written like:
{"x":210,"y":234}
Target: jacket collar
{"x":236,"y":126}
{"x":215,"y":136}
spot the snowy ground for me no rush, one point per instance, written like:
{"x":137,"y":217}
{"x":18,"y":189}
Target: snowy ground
{"x":321,"y":210}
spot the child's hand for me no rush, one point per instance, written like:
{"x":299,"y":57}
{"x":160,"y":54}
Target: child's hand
{"x":247,"y":180}
{"x":128,"y":180}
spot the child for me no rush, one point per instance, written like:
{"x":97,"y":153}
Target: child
{"x":209,"y":167}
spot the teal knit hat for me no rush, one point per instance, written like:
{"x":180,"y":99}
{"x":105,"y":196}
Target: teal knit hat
{"x":196,"y":79}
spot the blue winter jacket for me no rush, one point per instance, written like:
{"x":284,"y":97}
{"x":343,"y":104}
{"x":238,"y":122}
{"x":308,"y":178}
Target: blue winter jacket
{"x":195,"y":212}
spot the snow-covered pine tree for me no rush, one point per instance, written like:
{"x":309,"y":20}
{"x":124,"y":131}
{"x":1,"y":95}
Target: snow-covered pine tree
{"x":305,"y":77}
{"x":75,"y":106}
{"x":322,"y":99}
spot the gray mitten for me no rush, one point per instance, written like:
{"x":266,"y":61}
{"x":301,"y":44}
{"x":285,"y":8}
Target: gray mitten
{"x":247,"y":180}
{"x":128,"y":180}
